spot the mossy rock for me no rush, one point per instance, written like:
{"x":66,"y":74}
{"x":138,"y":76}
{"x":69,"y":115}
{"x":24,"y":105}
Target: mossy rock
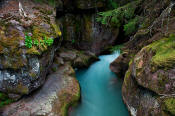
{"x":169,"y":106}
{"x":23,"y":68}
{"x":127,"y":75}
{"x":164,"y":53}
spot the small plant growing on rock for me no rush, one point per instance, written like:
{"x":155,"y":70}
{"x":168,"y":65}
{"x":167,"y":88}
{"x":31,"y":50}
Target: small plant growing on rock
{"x":28,"y":41}
{"x":48,"y":41}
{"x":73,"y":41}
{"x":41,"y":42}
{"x":36,"y":42}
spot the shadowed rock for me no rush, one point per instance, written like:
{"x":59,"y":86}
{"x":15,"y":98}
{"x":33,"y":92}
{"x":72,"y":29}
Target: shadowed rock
{"x":52,"y":99}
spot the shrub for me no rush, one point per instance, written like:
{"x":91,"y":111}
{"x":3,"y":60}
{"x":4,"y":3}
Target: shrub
{"x":117,"y":16}
{"x":131,"y":26}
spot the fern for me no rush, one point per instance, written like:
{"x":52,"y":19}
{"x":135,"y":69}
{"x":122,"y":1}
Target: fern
{"x":117,"y":16}
{"x":131,"y":26}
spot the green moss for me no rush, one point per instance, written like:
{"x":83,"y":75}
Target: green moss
{"x":4,"y":100}
{"x":164,"y":53}
{"x":170,"y":105}
{"x":57,"y":29}
{"x":68,"y":100}
{"x":127,"y":75}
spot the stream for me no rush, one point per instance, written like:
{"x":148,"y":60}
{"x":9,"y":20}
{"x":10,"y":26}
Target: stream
{"x":100,"y":90}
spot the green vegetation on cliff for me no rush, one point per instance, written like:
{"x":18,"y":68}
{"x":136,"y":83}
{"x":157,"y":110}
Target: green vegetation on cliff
{"x":112,"y":4}
{"x":131,"y":26}
{"x":29,"y":41}
{"x":124,"y":15}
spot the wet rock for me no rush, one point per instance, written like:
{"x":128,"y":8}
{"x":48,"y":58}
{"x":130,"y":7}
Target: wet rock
{"x":148,"y":84}
{"x":144,"y":36}
{"x":120,"y":65}
{"x":68,"y":55}
{"x":78,"y":59}
{"x":138,"y":100}
{"x":84,"y":33}
{"x":154,"y":66}
{"x":59,"y":92}
{"x":24,"y":57}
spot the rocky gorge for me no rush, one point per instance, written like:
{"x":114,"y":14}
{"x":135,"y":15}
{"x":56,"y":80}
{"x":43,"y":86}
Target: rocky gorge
{"x":42,"y":42}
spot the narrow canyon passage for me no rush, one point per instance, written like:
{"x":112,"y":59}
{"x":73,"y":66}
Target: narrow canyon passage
{"x":100,"y":90}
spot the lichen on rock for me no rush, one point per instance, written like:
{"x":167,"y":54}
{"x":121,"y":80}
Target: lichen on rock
{"x":23,"y":69}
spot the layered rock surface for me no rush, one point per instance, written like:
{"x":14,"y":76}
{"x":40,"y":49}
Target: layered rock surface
{"x":148,"y":87}
{"x":23,"y":66}
{"x":53,"y":99}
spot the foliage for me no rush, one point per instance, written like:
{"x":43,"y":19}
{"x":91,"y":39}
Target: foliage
{"x":73,"y":41}
{"x":36,"y":42}
{"x":48,"y":41}
{"x":117,"y":16}
{"x":131,"y":26}
{"x":129,"y":12}
{"x":115,"y":48}
{"x":4,"y":100}
{"x":29,"y":41}
{"x":112,"y":4}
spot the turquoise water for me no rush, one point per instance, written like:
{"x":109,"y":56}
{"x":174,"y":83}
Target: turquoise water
{"x":100,"y":90}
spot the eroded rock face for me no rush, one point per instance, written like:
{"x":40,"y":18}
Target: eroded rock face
{"x":148,"y":86}
{"x":24,"y":57}
{"x":83,"y":32}
{"x":59,"y":92}
{"x":149,"y":32}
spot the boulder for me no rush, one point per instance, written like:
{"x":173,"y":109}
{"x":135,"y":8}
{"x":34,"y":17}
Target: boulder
{"x":77,"y":59}
{"x":53,"y":99}
{"x":120,"y":65}
{"x":148,"y":86}
{"x":27,"y":32}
